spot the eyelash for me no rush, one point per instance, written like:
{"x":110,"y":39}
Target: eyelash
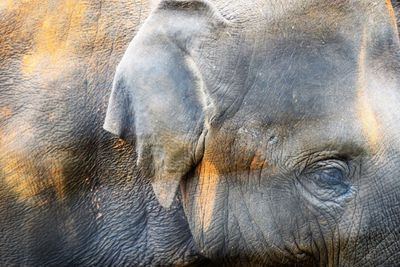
{"x":336,"y":162}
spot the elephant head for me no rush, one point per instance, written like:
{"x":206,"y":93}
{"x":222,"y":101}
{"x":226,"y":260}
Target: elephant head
{"x":277,"y":120}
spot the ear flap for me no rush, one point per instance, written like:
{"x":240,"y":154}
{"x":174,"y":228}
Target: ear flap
{"x":158,"y":94}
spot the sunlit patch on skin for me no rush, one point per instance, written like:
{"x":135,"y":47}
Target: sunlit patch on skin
{"x":31,"y":179}
{"x":366,"y":114}
{"x":392,"y":15}
{"x":6,"y":4}
{"x":29,"y":183}
{"x":18,"y":177}
{"x":390,"y":9}
{"x":258,"y":162}
{"x":5,"y":112}
{"x":205,"y":201}
{"x":56,"y":179}
{"x":63,"y":38}
{"x":119,"y":144}
{"x":56,"y":36}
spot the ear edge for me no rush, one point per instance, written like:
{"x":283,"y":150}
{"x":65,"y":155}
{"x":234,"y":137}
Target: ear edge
{"x":165,"y":190}
{"x":116,"y":120}
{"x":204,"y":7}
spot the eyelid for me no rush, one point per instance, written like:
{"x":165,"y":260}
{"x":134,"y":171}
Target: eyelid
{"x":326,"y":164}
{"x":306,"y":161}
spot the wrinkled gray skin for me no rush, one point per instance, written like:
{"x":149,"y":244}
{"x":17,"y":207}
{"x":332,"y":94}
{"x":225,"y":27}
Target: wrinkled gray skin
{"x":69,"y":192}
{"x":276,"y":121}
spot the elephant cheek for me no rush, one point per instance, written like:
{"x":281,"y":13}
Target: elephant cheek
{"x":202,"y":199}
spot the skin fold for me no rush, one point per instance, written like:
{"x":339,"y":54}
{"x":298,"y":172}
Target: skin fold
{"x":236,"y":133}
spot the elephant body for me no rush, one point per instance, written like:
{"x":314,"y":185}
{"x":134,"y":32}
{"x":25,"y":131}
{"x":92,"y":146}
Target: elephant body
{"x":65,"y":196}
{"x":243,"y":133}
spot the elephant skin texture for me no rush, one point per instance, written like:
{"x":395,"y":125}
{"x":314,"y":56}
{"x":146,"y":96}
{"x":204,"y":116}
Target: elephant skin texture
{"x":199,"y":133}
{"x":69,"y":192}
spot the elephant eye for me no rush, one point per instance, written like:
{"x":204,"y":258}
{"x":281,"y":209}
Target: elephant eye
{"x":332,"y":178}
{"x":327,"y":179}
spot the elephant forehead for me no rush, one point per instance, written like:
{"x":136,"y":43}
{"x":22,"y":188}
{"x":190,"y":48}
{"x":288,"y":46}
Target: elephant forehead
{"x":303,"y":83}
{"x":290,"y":76}
{"x":284,"y":83}
{"x":306,"y":64}
{"x":359,"y":120}
{"x":297,"y":84}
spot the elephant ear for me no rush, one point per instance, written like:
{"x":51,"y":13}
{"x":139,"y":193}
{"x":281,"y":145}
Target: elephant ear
{"x":158,"y":94}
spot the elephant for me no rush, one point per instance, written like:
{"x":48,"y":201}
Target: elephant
{"x":236,"y":133}
{"x":273,"y":123}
